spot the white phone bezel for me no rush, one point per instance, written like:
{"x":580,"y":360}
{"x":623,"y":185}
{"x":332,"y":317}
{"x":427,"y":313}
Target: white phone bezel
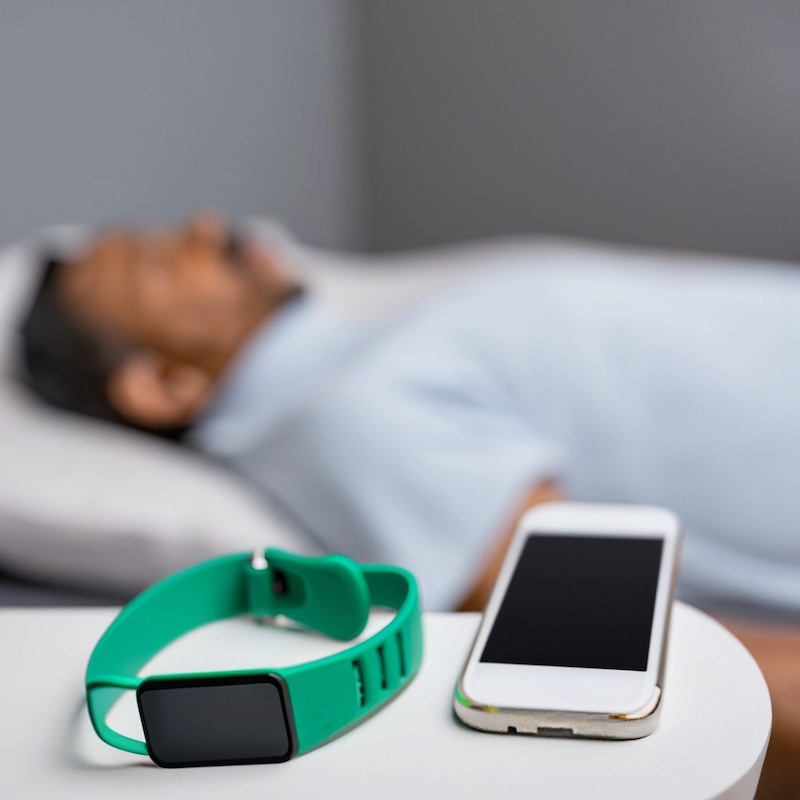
{"x":524,"y":687}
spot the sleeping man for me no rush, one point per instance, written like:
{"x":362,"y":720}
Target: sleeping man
{"x":419,"y":439}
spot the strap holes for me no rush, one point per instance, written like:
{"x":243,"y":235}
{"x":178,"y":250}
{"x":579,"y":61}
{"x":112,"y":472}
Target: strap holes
{"x":359,"y":678}
{"x":402,"y":654}
{"x":382,"y":665}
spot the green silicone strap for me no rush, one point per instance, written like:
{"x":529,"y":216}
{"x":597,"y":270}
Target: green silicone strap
{"x":331,"y":594}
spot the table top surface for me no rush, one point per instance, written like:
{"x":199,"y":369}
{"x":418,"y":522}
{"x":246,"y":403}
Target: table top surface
{"x":711,"y":741}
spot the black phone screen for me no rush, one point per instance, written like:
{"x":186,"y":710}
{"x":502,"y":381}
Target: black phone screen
{"x":579,"y":601}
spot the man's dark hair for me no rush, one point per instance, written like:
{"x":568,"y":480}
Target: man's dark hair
{"x":68,"y":363}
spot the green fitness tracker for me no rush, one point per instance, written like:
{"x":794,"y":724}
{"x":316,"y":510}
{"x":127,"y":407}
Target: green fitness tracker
{"x":257,"y":716}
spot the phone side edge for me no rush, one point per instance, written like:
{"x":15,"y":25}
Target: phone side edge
{"x":574,"y":724}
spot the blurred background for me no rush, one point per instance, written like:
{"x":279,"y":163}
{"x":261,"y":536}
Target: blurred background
{"x":370,"y":126}
{"x":384,"y":125}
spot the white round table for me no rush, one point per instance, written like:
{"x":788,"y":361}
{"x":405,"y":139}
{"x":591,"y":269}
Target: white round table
{"x":710,"y":744}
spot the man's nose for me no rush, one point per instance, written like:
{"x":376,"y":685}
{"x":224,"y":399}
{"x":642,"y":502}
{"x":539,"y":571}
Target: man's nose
{"x":207,"y":227}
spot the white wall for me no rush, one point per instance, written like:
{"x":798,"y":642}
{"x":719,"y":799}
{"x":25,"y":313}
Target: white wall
{"x":674,"y":123}
{"x":146,"y":109}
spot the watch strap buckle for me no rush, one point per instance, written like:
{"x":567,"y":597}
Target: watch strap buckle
{"x":328,"y":594}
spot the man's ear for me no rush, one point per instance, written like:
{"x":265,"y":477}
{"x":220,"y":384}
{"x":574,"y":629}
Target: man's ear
{"x":149,"y":391}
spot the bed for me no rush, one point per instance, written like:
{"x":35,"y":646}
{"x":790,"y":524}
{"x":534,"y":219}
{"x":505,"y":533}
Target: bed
{"x":90,"y":512}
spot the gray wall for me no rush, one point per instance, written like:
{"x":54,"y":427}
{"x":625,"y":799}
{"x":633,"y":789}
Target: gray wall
{"x":674,"y":123}
{"x":396,"y":123}
{"x":147,"y":109}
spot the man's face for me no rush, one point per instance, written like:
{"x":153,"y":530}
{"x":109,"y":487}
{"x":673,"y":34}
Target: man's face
{"x":185,"y":293}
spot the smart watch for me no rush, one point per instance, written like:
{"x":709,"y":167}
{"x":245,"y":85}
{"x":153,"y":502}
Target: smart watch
{"x":267,"y":715}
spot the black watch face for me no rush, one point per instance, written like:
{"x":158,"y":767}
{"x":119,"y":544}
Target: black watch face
{"x":198,"y":722}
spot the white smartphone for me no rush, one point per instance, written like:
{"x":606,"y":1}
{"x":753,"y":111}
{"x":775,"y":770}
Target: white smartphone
{"x":573,"y":640}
